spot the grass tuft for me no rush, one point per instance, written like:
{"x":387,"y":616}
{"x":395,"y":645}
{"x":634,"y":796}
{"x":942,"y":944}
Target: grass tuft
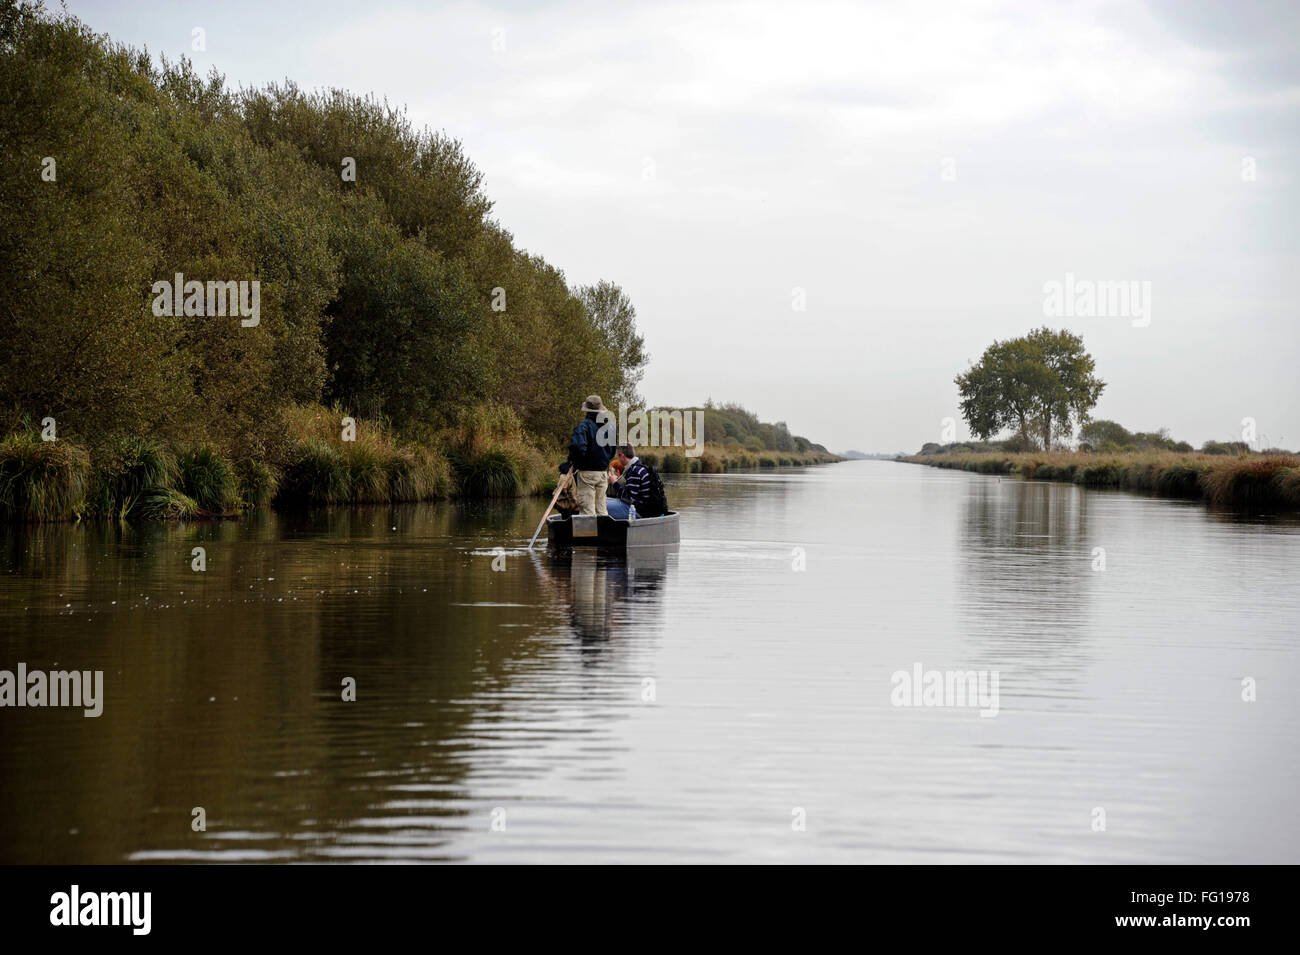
{"x":208,"y":479}
{"x":41,"y":480}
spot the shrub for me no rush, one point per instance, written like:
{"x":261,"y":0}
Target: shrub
{"x":317,"y":473}
{"x":257,"y":483}
{"x":165,"y":504}
{"x":1019,"y":443}
{"x":674,"y":462}
{"x":418,"y":474}
{"x":207,"y":478}
{"x":1108,"y":474}
{"x":1178,"y":480}
{"x":1287,"y":485}
{"x":369,"y":479}
{"x":41,"y":480}
{"x":1244,"y":483}
{"x":128,"y":472}
{"x":489,"y":474}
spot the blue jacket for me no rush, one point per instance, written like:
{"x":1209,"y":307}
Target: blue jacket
{"x":585,"y":450}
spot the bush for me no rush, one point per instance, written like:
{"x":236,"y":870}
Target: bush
{"x":1287,"y":484}
{"x":209,"y":479}
{"x":1178,"y":480}
{"x":130,"y":471}
{"x":418,"y":474}
{"x":674,"y":462}
{"x":1108,"y":474}
{"x":489,"y":474}
{"x":1225,"y":447}
{"x":257,"y":483}
{"x":41,"y":480}
{"x":165,"y":504}
{"x":1245,"y":483}
{"x":317,"y":473}
{"x":1019,"y":443}
{"x":369,"y":481}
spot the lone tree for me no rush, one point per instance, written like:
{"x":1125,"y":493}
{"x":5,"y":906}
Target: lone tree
{"x":1040,"y":385}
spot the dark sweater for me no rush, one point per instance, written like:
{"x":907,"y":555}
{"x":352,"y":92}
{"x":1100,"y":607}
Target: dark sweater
{"x":585,"y":450}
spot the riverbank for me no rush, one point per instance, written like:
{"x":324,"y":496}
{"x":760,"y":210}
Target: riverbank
{"x":326,"y":458}
{"x":1255,"y":481}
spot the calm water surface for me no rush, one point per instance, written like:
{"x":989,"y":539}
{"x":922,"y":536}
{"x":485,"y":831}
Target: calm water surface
{"x":679,"y":706}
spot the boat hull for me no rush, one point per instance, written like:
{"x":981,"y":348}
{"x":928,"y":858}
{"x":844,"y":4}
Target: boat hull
{"x":600,"y":531}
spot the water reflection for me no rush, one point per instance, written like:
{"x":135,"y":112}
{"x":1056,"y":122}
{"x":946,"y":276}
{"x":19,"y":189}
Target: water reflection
{"x":517,"y":683}
{"x":604,"y":590}
{"x":1026,"y":578}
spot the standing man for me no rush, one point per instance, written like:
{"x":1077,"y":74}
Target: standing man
{"x":590,"y":452}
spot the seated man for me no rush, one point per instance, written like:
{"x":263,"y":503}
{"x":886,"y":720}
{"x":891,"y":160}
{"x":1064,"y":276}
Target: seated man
{"x":641,"y":494}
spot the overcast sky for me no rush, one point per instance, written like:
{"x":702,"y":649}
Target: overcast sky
{"x":918,"y":170}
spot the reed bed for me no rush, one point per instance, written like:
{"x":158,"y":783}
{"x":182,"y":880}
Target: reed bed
{"x":1257,"y":481}
{"x":718,"y":461}
{"x":319,"y":460}
{"x":40,"y":480}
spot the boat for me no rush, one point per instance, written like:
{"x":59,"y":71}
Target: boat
{"x":599,"y":530}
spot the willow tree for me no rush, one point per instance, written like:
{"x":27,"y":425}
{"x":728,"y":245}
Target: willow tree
{"x":1041,"y":386}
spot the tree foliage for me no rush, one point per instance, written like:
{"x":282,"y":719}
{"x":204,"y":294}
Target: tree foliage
{"x":1040,"y":386}
{"x":392,"y":291}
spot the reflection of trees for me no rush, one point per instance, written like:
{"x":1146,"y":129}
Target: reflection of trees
{"x":223,"y":688}
{"x":1026,"y":572}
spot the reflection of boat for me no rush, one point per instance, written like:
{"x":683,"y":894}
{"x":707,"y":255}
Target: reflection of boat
{"x":591,"y":530}
{"x":604,"y":589}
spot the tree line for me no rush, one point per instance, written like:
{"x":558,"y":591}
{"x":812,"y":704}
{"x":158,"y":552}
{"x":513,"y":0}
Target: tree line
{"x":386,"y":284}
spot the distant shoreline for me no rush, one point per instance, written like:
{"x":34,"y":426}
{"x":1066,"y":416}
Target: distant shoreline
{"x":1264,"y":481}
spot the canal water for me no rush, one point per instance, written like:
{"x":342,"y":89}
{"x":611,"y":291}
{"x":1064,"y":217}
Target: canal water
{"x":737,"y":698}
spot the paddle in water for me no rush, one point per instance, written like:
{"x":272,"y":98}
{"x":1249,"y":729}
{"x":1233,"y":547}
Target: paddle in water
{"x":564,"y":479}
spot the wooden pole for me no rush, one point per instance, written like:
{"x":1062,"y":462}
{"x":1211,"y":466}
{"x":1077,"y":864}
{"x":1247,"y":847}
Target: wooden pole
{"x":564,"y":479}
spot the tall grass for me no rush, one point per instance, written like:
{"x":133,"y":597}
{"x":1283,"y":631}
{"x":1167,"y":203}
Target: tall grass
{"x":418,"y":474}
{"x":1249,"y":481}
{"x":130,"y":477}
{"x":258,"y":482}
{"x":374,"y":467}
{"x":673,"y":462}
{"x":316,"y":473}
{"x":208,"y":479}
{"x":41,"y":480}
{"x":488,"y":474}
{"x":491,"y":455}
